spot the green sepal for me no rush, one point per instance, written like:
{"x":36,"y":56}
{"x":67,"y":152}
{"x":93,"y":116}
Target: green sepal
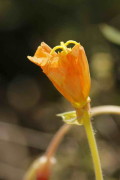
{"x":69,"y":117}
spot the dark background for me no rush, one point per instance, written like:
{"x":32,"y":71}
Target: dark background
{"x":28,"y":100}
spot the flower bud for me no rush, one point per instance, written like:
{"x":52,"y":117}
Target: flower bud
{"x":40,"y":169}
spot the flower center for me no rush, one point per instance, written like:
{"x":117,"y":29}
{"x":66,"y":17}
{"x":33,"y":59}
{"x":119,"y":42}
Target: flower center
{"x":63,"y":46}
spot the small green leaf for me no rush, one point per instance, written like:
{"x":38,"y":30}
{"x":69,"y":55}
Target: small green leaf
{"x":69,"y":117}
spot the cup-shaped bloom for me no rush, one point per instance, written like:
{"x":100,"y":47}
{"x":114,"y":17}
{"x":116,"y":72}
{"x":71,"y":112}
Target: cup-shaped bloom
{"x":68,"y":70}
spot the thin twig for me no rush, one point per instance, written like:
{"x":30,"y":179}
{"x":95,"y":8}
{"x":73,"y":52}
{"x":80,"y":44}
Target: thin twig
{"x":57,"y":139}
{"x":109,"y":109}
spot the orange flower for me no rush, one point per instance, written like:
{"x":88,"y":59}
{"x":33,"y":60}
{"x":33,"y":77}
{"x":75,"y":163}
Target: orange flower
{"x":68,"y":70}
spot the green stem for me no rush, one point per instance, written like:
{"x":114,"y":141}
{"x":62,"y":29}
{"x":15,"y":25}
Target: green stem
{"x":93,"y":148}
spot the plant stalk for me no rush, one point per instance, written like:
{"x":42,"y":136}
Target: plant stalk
{"x":57,"y":139}
{"x":93,"y":148}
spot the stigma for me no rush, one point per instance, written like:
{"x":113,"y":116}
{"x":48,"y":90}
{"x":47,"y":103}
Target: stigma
{"x":63,"y":46}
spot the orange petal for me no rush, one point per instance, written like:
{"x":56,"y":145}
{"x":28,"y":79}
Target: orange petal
{"x":69,"y":72}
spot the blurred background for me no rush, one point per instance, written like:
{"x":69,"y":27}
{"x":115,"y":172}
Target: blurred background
{"x":29,"y":102}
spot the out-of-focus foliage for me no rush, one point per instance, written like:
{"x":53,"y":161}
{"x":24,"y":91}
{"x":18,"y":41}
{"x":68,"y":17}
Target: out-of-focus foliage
{"x":111,"y":33}
{"x":29,"y":102}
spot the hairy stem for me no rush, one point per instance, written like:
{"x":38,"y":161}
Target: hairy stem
{"x":93,"y":148}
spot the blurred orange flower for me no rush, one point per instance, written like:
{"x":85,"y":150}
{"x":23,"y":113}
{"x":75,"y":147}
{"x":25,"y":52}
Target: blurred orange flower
{"x":41,"y":168}
{"x":68,"y":70}
{"x":44,"y":168}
